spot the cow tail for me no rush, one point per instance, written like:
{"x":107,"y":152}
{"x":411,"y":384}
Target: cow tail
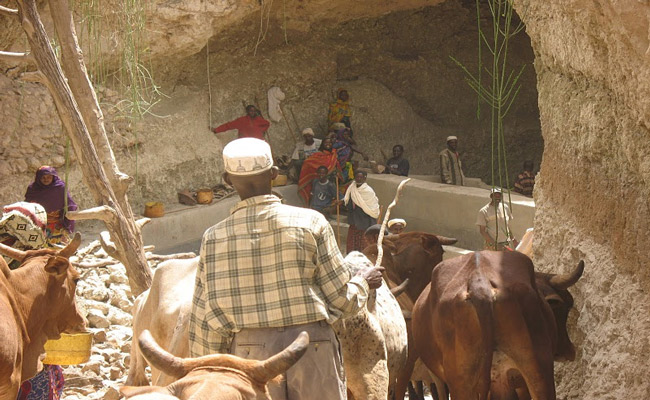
{"x":480,"y":295}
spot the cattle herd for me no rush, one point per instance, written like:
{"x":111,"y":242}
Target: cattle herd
{"x":485,"y":325}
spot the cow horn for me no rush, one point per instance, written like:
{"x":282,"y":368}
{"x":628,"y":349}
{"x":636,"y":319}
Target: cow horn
{"x":399,"y":289}
{"x":266,"y":370}
{"x":71,"y":247}
{"x":13,"y":253}
{"x":159,"y":358}
{"x":446,"y":241}
{"x":564,"y":281}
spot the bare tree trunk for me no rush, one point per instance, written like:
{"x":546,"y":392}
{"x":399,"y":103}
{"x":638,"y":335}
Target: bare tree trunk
{"x":125,"y":233}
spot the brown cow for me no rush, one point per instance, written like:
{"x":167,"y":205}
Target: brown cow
{"x":213,"y":377}
{"x":488,"y":324}
{"x":37,"y":303}
{"x":412,"y":256}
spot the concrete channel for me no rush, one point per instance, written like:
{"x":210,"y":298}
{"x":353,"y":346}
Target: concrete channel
{"x":426,"y":205}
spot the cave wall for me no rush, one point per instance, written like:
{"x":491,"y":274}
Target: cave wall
{"x":404,"y":89}
{"x":593,"y":69}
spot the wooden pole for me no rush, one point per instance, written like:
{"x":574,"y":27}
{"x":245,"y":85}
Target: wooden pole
{"x":338,"y":214}
{"x":286,"y":120}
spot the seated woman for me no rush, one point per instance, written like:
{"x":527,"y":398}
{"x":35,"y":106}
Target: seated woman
{"x":344,"y":145}
{"x":49,"y":191}
{"x":339,"y":111}
{"x":325,"y":157}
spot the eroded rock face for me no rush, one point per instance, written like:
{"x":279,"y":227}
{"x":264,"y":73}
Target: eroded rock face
{"x":593,"y":68}
{"x":404,"y":89}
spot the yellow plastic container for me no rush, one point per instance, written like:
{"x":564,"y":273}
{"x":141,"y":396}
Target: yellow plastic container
{"x":70,"y":349}
{"x":154,"y":209}
{"x":281,"y":180}
{"x":204,"y":196}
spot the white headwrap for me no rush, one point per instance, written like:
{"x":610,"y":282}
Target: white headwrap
{"x":275,"y":96}
{"x":247,"y":156}
{"x":396,"y":221}
{"x":364,"y":197}
{"x":451,"y":138}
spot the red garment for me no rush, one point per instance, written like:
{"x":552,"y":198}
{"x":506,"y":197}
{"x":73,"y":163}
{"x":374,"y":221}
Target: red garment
{"x":309,"y":169}
{"x":246,"y":127}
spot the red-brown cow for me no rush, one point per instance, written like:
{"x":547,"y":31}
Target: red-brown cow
{"x":412,"y":256}
{"x":488,"y":324}
{"x":213,"y":377}
{"x":37,"y":303}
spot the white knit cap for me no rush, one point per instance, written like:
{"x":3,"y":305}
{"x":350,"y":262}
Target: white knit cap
{"x":451,"y":138}
{"x":308,"y":131}
{"x":247,"y":156}
{"x":396,"y":221}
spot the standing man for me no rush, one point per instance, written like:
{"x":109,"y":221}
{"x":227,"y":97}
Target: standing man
{"x":451,"y":171}
{"x":363,"y":210}
{"x":251,"y":125}
{"x":525,"y":181}
{"x":397,"y":165}
{"x":493,"y":222}
{"x":270,"y":271}
{"x":302,"y":151}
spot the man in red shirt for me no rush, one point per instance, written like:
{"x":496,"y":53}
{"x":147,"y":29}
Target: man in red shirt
{"x":250,"y":125}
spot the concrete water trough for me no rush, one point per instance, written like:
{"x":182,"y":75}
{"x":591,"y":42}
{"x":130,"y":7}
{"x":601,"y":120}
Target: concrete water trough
{"x":426,"y":205}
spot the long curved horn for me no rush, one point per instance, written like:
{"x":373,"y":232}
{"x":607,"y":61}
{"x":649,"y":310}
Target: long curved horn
{"x":11,"y":252}
{"x":71,"y":247}
{"x":266,"y":370}
{"x":446,"y":241}
{"x":159,"y":358}
{"x":564,"y":281}
{"x":399,"y":289}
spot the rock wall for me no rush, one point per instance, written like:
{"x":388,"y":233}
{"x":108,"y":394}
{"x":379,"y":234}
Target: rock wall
{"x":404,"y":89}
{"x":593,"y":71}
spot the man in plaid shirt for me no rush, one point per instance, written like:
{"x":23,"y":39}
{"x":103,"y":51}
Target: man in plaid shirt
{"x":270,"y":271}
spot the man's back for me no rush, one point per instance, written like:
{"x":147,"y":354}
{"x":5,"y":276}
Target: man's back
{"x":271,"y":265}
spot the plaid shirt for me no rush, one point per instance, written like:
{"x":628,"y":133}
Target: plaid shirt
{"x":269,"y":265}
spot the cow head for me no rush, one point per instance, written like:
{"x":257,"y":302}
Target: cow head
{"x":201,"y":378}
{"x":62,"y":286}
{"x":44,"y":285}
{"x":411,"y":255}
{"x":46,"y":276}
{"x":553,"y":289}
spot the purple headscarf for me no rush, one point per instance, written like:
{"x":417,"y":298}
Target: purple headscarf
{"x":51,"y":196}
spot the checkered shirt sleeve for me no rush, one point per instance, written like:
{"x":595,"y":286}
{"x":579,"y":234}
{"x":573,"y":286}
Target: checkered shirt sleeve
{"x":269,"y":265}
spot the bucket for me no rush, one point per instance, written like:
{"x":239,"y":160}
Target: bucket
{"x":204,"y":196}
{"x":70,"y":349}
{"x":154,"y":209}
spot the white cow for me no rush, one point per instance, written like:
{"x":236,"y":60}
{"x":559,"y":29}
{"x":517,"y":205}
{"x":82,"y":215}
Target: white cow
{"x":373,"y":342}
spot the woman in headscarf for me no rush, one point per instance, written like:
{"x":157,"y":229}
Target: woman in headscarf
{"x":344,"y":145}
{"x":363,"y":210}
{"x":49,"y":191}
{"x":326,"y":157}
{"x":340,"y":109}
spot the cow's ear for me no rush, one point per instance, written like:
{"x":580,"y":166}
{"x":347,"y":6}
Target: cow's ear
{"x":57,"y":266}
